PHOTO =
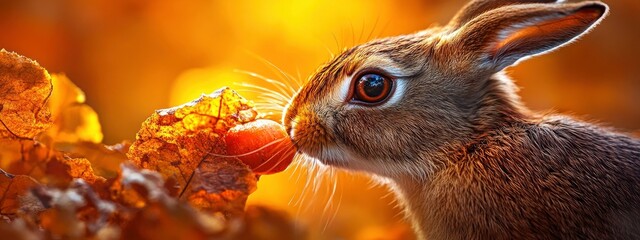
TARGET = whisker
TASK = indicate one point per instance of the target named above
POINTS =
(261, 93)
(280, 95)
(313, 176)
(339, 202)
(298, 173)
(272, 97)
(267, 109)
(271, 111)
(332, 192)
(270, 102)
(373, 29)
(304, 192)
(261, 90)
(260, 76)
(279, 140)
(331, 55)
(383, 29)
(267, 112)
(295, 166)
(268, 106)
(353, 34)
(264, 109)
(279, 85)
(280, 150)
(331, 200)
(299, 79)
(306, 163)
(286, 76)
(361, 32)
(269, 80)
(320, 175)
(337, 43)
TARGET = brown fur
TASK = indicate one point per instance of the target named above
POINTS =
(466, 158)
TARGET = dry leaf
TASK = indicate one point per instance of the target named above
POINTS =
(174, 141)
(64, 169)
(74, 213)
(162, 221)
(73, 120)
(17, 230)
(11, 188)
(24, 90)
(262, 222)
(105, 160)
(221, 185)
(67, 185)
(163, 217)
(24, 157)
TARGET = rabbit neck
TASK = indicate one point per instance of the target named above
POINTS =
(491, 107)
(493, 104)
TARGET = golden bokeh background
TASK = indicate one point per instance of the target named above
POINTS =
(133, 56)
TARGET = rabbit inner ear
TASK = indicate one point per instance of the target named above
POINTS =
(542, 35)
(476, 7)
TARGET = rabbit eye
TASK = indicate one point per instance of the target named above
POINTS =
(372, 88)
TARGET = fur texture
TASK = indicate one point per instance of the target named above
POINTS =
(466, 158)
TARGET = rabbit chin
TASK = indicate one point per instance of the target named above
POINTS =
(330, 156)
(339, 157)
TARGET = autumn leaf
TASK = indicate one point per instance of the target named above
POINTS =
(262, 222)
(73, 121)
(61, 182)
(184, 144)
(11, 188)
(61, 168)
(24, 90)
(24, 157)
(47, 166)
(105, 160)
(221, 185)
(74, 212)
(163, 221)
(162, 217)
(25, 113)
(17, 230)
(175, 141)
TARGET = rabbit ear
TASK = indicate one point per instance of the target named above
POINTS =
(502, 36)
(477, 7)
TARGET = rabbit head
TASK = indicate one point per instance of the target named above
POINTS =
(393, 105)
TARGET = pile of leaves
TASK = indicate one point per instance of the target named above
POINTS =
(58, 181)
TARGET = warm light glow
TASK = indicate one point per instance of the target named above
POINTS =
(192, 83)
(133, 57)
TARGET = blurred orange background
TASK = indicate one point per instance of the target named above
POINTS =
(132, 57)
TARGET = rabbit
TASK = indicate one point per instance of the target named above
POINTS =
(434, 114)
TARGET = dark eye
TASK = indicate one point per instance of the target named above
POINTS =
(372, 88)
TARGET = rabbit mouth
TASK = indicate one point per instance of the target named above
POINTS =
(329, 155)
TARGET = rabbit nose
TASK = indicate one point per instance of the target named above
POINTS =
(289, 125)
(289, 113)
(291, 129)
